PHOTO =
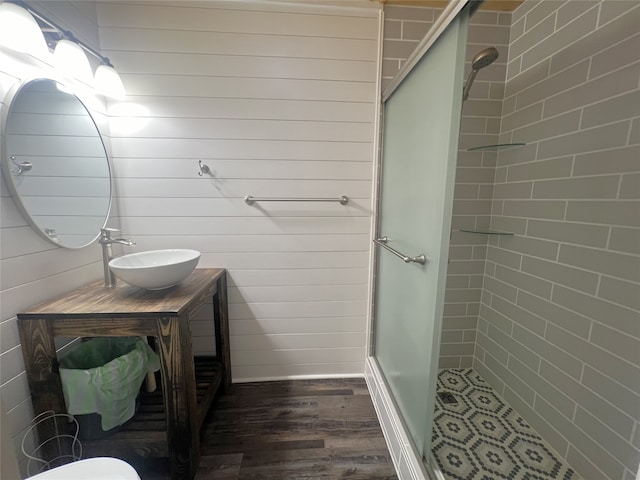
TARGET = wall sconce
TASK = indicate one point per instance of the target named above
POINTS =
(25, 30)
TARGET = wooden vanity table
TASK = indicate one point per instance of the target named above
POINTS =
(168, 422)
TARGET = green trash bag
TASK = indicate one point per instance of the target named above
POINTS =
(104, 375)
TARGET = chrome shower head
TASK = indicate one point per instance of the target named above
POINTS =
(482, 59)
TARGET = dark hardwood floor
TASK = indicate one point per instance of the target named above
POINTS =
(290, 430)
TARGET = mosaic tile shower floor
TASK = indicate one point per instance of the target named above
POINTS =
(482, 438)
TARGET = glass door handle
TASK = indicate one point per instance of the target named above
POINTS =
(382, 241)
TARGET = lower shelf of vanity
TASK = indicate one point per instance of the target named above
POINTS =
(146, 433)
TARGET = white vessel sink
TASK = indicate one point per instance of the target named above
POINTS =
(155, 269)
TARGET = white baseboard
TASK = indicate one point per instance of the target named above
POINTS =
(406, 460)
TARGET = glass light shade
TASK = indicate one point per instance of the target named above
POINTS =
(109, 83)
(71, 60)
(19, 31)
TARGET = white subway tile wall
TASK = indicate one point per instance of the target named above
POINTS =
(279, 101)
(559, 324)
(404, 27)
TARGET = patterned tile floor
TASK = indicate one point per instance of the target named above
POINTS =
(482, 438)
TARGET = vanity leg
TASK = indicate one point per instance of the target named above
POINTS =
(41, 366)
(221, 323)
(179, 394)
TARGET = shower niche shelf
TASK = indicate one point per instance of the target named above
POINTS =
(486, 232)
(496, 146)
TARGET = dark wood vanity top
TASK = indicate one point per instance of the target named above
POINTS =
(96, 300)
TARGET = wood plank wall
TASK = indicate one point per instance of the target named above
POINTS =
(277, 100)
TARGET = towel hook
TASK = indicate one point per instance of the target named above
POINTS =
(22, 167)
(204, 168)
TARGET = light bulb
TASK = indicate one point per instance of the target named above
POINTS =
(71, 60)
(19, 31)
(109, 83)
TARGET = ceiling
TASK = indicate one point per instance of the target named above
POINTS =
(496, 5)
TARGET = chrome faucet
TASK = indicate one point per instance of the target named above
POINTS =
(107, 254)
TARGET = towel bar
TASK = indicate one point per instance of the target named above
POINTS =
(250, 200)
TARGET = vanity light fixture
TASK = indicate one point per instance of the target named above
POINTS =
(19, 20)
(19, 31)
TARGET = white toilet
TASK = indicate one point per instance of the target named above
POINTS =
(100, 468)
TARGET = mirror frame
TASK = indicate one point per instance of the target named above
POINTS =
(6, 164)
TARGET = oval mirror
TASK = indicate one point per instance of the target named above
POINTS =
(55, 164)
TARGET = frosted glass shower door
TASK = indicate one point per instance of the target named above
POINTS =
(420, 137)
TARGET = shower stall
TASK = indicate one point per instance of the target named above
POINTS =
(539, 329)
(449, 421)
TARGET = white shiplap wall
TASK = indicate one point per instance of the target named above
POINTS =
(279, 100)
(32, 269)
